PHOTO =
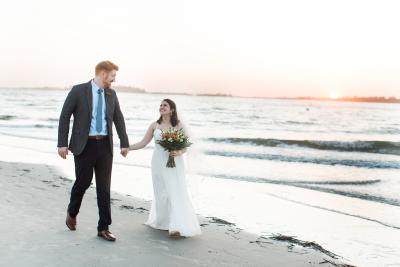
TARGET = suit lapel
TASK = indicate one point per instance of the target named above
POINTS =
(107, 96)
(89, 97)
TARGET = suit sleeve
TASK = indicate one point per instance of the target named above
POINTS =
(119, 122)
(66, 112)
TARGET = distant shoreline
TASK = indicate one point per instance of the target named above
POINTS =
(125, 89)
(136, 90)
(374, 99)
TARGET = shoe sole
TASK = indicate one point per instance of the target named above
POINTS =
(107, 239)
(72, 229)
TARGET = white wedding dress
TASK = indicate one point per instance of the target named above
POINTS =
(172, 207)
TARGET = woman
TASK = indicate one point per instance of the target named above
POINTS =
(171, 208)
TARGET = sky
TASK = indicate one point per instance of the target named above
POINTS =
(245, 48)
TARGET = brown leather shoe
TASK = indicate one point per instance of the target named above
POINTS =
(175, 235)
(70, 222)
(107, 235)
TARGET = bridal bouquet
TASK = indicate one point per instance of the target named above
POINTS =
(173, 140)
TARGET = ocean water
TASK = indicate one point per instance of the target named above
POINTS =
(323, 171)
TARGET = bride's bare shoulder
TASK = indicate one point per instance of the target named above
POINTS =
(153, 125)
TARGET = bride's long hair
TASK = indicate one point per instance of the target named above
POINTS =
(174, 115)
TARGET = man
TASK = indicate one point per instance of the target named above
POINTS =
(95, 107)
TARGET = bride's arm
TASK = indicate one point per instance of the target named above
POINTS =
(146, 139)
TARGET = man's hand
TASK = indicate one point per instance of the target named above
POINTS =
(124, 151)
(63, 152)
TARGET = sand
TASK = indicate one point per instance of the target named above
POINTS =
(33, 208)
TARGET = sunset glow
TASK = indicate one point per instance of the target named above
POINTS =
(333, 95)
(246, 48)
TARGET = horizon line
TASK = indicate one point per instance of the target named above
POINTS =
(134, 89)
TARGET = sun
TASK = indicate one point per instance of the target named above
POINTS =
(333, 95)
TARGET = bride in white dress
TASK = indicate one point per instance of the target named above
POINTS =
(172, 207)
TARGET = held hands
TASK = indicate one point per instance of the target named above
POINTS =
(124, 151)
(63, 152)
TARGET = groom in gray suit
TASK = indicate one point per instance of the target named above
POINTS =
(95, 107)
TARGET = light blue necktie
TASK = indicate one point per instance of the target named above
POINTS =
(99, 115)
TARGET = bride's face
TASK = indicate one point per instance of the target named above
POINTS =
(164, 108)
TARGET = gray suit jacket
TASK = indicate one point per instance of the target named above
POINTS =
(79, 104)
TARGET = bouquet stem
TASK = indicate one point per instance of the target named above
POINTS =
(171, 162)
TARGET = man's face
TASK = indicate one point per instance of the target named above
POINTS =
(108, 78)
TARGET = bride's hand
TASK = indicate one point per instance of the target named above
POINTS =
(175, 153)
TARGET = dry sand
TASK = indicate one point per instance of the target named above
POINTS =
(33, 232)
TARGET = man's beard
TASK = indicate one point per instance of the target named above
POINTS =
(107, 84)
